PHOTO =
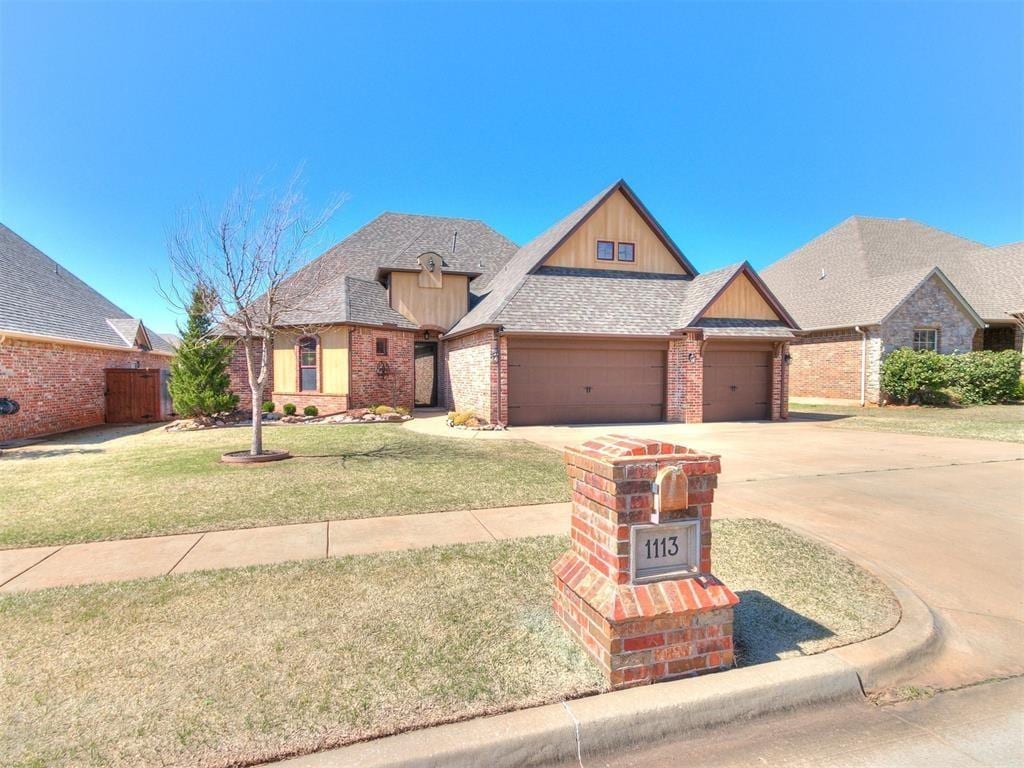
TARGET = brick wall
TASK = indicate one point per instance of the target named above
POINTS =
(639, 632)
(780, 383)
(684, 392)
(59, 387)
(473, 374)
(930, 306)
(367, 387)
(827, 364)
(240, 377)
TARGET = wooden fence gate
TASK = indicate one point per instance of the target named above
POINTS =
(133, 395)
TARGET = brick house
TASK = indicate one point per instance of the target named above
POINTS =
(58, 337)
(869, 286)
(599, 319)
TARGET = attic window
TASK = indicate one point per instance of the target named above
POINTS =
(605, 250)
(627, 252)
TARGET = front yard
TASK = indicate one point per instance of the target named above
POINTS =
(111, 484)
(231, 667)
(980, 422)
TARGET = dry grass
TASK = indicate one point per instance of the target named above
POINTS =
(979, 422)
(228, 667)
(127, 482)
(233, 666)
(798, 597)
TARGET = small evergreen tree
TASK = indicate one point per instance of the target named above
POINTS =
(199, 372)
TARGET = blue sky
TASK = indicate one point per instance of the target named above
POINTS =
(746, 129)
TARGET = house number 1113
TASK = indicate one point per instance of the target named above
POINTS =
(664, 546)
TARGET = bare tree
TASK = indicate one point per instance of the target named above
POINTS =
(253, 260)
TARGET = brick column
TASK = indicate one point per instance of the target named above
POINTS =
(780, 383)
(661, 628)
(685, 384)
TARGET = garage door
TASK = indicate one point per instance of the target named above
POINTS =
(737, 384)
(581, 382)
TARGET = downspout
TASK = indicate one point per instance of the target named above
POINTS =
(863, 364)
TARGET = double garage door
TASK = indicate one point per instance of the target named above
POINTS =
(569, 381)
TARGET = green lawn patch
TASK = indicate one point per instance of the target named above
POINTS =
(225, 668)
(106, 484)
(980, 422)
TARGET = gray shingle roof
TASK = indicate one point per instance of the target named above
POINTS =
(40, 297)
(608, 302)
(870, 265)
(513, 277)
(348, 291)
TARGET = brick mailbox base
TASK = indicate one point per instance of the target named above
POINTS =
(642, 625)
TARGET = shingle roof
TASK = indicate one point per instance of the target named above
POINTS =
(41, 298)
(347, 290)
(513, 277)
(608, 302)
(859, 271)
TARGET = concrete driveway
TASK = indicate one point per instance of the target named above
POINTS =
(944, 515)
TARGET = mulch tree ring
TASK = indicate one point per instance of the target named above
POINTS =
(244, 457)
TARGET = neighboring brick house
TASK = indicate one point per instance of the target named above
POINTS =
(599, 319)
(869, 286)
(57, 338)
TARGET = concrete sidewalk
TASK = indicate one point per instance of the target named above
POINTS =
(42, 567)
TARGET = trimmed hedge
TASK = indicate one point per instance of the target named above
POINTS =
(973, 377)
(913, 377)
(984, 377)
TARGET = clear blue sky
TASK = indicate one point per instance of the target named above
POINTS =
(747, 129)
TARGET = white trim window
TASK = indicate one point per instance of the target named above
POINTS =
(926, 339)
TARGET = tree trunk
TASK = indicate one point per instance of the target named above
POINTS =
(256, 447)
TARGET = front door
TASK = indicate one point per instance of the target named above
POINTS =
(425, 353)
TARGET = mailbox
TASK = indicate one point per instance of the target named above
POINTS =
(671, 492)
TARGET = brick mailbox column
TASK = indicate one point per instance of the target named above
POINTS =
(639, 596)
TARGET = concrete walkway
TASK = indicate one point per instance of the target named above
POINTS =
(41, 567)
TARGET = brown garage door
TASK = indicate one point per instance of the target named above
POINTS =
(585, 382)
(737, 384)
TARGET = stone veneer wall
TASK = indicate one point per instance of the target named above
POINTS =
(930, 306)
(827, 364)
(60, 386)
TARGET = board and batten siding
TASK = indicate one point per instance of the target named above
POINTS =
(425, 305)
(742, 300)
(616, 220)
(334, 361)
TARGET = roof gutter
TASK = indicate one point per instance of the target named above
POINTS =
(20, 335)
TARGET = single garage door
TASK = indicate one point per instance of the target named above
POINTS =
(737, 384)
(572, 381)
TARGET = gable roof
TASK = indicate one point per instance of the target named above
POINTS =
(38, 297)
(857, 272)
(349, 291)
(530, 258)
(562, 300)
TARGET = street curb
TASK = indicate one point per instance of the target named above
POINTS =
(589, 726)
(891, 658)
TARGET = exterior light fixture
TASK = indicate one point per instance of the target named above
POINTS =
(430, 264)
(787, 357)
(691, 357)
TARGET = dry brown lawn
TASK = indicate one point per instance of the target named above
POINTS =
(238, 666)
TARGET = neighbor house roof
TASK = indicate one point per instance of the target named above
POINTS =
(528, 260)
(347, 289)
(39, 298)
(859, 271)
